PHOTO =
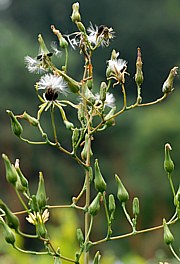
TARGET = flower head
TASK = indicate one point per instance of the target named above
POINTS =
(100, 35)
(117, 69)
(35, 218)
(34, 65)
(52, 85)
(109, 101)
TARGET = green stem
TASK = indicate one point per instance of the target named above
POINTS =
(127, 215)
(30, 252)
(53, 125)
(21, 200)
(174, 253)
(171, 184)
(107, 215)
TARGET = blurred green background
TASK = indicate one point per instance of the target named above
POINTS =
(134, 148)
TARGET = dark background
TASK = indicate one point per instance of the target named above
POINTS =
(134, 148)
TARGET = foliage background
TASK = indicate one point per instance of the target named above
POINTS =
(134, 148)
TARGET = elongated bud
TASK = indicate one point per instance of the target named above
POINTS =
(90, 84)
(177, 198)
(43, 49)
(139, 74)
(15, 125)
(103, 91)
(68, 124)
(95, 205)
(122, 193)
(11, 173)
(76, 17)
(168, 237)
(112, 206)
(62, 41)
(23, 180)
(81, 27)
(90, 174)
(75, 137)
(32, 120)
(97, 258)
(41, 193)
(80, 236)
(168, 84)
(135, 206)
(168, 163)
(33, 204)
(99, 181)
(12, 220)
(9, 235)
(86, 148)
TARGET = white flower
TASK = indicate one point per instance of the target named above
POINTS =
(33, 65)
(117, 65)
(100, 35)
(34, 218)
(109, 101)
(52, 85)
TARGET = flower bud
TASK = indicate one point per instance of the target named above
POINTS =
(41, 193)
(168, 84)
(12, 220)
(122, 194)
(112, 206)
(168, 163)
(76, 17)
(97, 258)
(95, 205)
(90, 174)
(68, 124)
(135, 206)
(75, 137)
(9, 235)
(32, 120)
(23, 180)
(11, 173)
(99, 181)
(80, 236)
(168, 237)
(81, 27)
(86, 148)
(43, 49)
(33, 204)
(139, 74)
(15, 125)
(177, 198)
(62, 41)
(103, 90)
(90, 84)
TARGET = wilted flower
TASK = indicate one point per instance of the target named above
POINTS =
(117, 69)
(100, 35)
(52, 85)
(35, 218)
(34, 65)
(109, 101)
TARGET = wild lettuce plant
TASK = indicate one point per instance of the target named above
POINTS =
(96, 110)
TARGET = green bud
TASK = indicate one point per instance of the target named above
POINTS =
(177, 198)
(43, 49)
(15, 125)
(112, 206)
(122, 193)
(103, 90)
(81, 116)
(33, 204)
(9, 235)
(80, 236)
(68, 124)
(95, 205)
(41, 193)
(114, 54)
(22, 178)
(32, 120)
(11, 173)
(63, 42)
(76, 17)
(12, 220)
(81, 27)
(168, 237)
(99, 181)
(75, 137)
(139, 74)
(86, 148)
(90, 84)
(135, 206)
(168, 84)
(97, 258)
(90, 174)
(41, 230)
(168, 163)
